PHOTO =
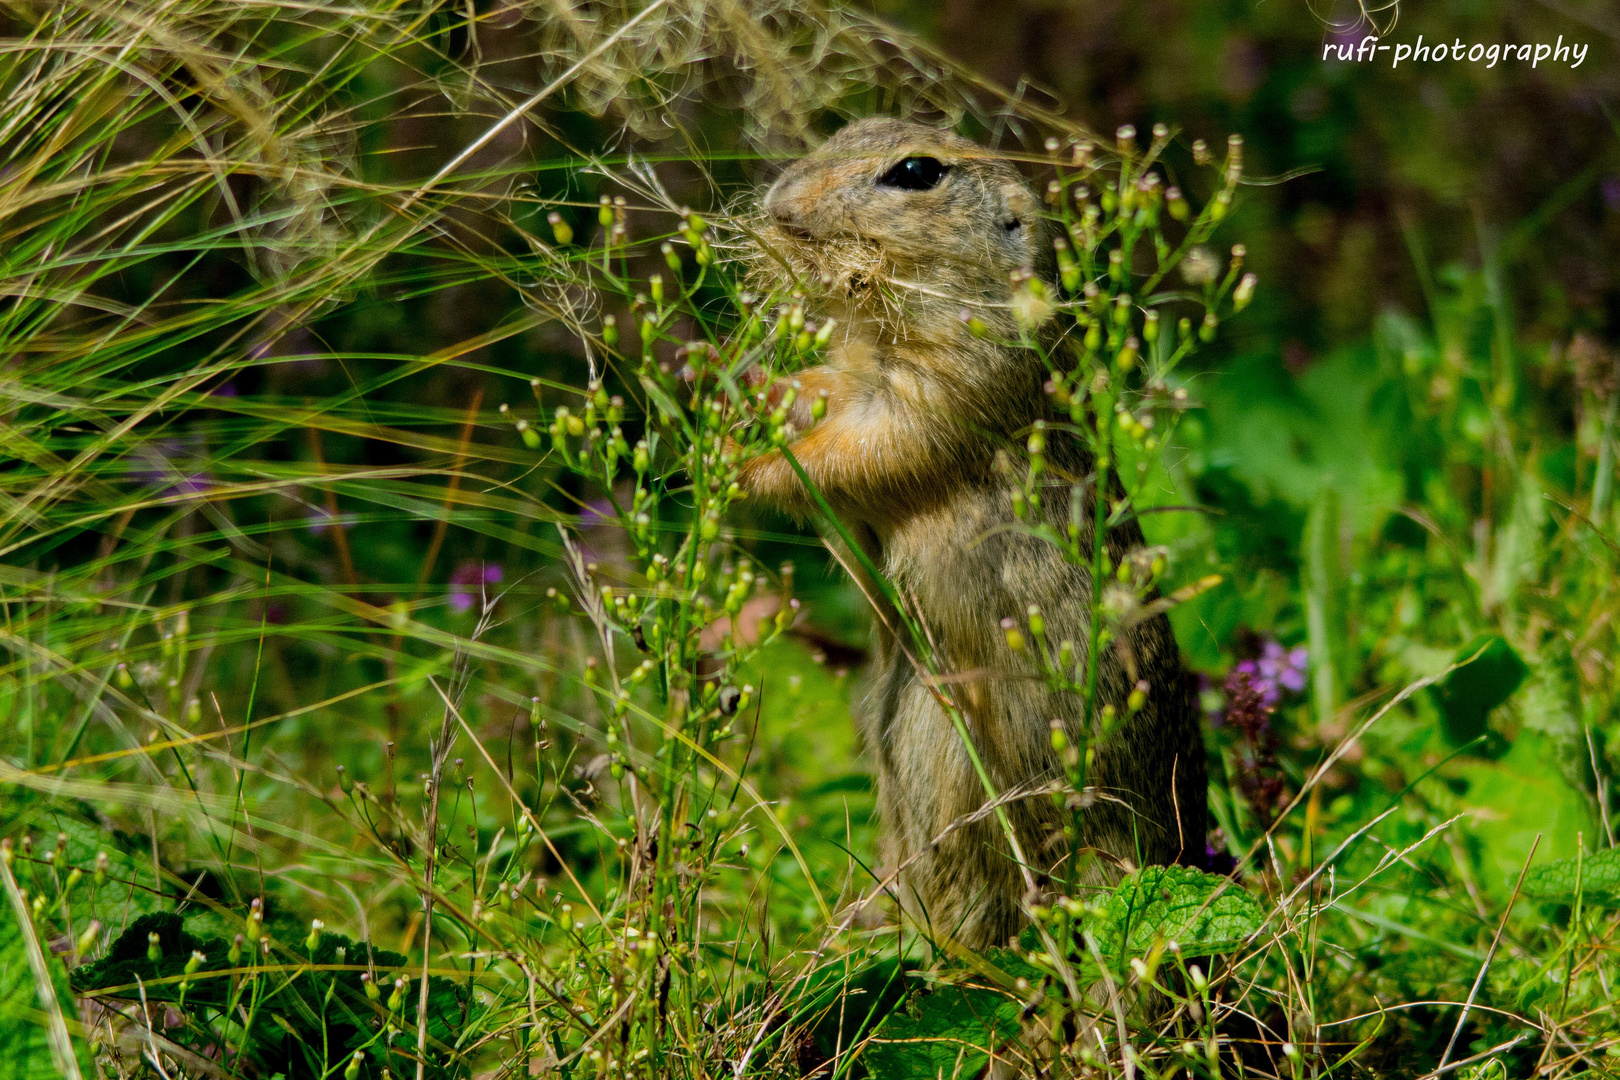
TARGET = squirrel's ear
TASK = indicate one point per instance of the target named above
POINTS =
(1018, 203)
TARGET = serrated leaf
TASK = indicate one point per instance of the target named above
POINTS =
(1596, 877)
(950, 1031)
(1205, 914)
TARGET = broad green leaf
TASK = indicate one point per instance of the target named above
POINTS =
(1513, 799)
(311, 1019)
(1467, 696)
(949, 1031)
(1203, 913)
(1595, 876)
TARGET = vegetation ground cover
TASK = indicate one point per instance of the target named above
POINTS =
(395, 684)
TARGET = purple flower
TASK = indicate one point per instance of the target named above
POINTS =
(467, 582)
(1274, 671)
(1253, 689)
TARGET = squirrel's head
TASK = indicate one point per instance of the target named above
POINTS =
(918, 205)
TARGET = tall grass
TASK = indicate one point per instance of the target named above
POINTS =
(371, 564)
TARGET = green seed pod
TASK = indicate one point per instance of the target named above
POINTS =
(672, 258)
(351, 1071)
(1206, 332)
(610, 330)
(655, 285)
(154, 951)
(604, 211)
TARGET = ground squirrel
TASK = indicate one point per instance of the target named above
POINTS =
(900, 227)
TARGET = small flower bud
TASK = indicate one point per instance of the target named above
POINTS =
(1015, 636)
(154, 951)
(604, 212)
(1244, 292)
(1126, 138)
(672, 258)
(351, 1071)
(610, 330)
(1126, 360)
(1177, 203)
(561, 231)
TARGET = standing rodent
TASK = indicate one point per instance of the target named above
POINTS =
(900, 227)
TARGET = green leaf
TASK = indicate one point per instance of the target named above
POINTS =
(1596, 876)
(1204, 913)
(1467, 696)
(308, 1020)
(948, 1031)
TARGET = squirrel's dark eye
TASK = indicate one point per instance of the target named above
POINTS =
(914, 174)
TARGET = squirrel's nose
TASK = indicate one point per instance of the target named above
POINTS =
(790, 204)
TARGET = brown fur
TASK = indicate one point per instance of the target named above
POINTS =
(917, 409)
